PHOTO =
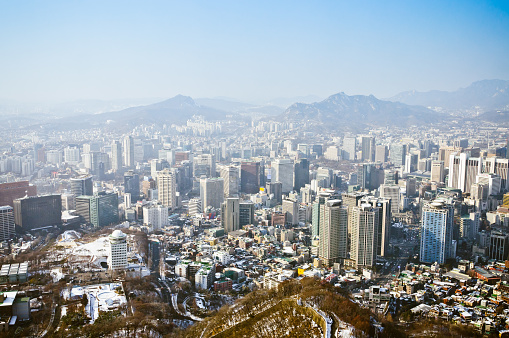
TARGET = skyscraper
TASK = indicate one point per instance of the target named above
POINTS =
(437, 171)
(7, 226)
(381, 154)
(391, 192)
(398, 154)
(282, 171)
(99, 210)
(204, 165)
(117, 258)
(230, 214)
(364, 241)
(384, 222)
(128, 151)
(368, 148)
(333, 245)
(132, 185)
(301, 174)
(463, 171)
(211, 192)
(436, 231)
(82, 186)
(230, 176)
(349, 147)
(167, 188)
(116, 156)
(250, 174)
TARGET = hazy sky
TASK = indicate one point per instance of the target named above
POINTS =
(64, 50)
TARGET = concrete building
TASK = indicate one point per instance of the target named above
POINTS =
(11, 191)
(167, 188)
(301, 174)
(211, 192)
(290, 207)
(381, 154)
(437, 172)
(38, 211)
(349, 148)
(82, 185)
(436, 231)
(132, 185)
(231, 179)
(155, 216)
(282, 171)
(230, 214)
(7, 225)
(368, 148)
(333, 244)
(116, 156)
(398, 154)
(128, 151)
(364, 240)
(117, 256)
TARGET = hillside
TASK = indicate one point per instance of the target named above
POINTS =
(344, 112)
(302, 308)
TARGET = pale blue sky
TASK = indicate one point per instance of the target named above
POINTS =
(65, 50)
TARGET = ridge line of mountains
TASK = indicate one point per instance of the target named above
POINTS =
(486, 100)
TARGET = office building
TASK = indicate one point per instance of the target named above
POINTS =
(384, 222)
(117, 258)
(436, 231)
(132, 185)
(500, 167)
(391, 176)
(492, 181)
(116, 156)
(7, 225)
(246, 213)
(211, 192)
(167, 188)
(230, 176)
(437, 171)
(290, 207)
(282, 171)
(230, 214)
(11, 191)
(275, 189)
(194, 206)
(301, 174)
(204, 165)
(499, 246)
(398, 154)
(333, 244)
(369, 176)
(381, 154)
(320, 200)
(251, 177)
(463, 171)
(100, 210)
(38, 211)
(391, 192)
(368, 148)
(82, 186)
(349, 148)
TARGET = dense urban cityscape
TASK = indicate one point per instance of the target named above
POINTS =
(213, 169)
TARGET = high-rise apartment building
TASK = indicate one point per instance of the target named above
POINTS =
(128, 151)
(211, 192)
(436, 231)
(333, 245)
(167, 188)
(7, 225)
(116, 156)
(364, 240)
(72, 155)
(230, 214)
(155, 216)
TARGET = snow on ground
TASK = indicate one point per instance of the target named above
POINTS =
(101, 297)
(56, 274)
(69, 235)
(97, 248)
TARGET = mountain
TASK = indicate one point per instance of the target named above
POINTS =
(480, 96)
(239, 107)
(357, 112)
